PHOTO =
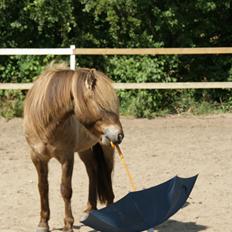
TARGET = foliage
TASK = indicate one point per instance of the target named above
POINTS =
(119, 23)
(143, 69)
(22, 68)
(11, 104)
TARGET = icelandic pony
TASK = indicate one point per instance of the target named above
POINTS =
(70, 111)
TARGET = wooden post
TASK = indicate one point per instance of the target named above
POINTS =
(72, 58)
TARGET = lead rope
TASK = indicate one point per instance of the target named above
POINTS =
(121, 156)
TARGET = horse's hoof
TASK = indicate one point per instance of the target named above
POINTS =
(42, 229)
(67, 230)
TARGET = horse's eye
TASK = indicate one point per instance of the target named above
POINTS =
(89, 125)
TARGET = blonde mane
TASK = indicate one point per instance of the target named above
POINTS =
(60, 92)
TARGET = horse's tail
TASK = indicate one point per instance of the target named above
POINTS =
(104, 180)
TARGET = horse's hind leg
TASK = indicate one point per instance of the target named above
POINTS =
(109, 158)
(42, 170)
(99, 162)
(91, 167)
(66, 191)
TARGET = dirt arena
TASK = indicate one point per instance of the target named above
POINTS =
(155, 150)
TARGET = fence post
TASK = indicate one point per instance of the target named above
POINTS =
(72, 58)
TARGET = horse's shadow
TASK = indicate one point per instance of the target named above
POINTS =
(75, 227)
(176, 226)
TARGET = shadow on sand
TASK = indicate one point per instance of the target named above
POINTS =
(170, 226)
(75, 227)
(177, 226)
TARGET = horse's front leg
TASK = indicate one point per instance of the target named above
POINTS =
(42, 170)
(66, 191)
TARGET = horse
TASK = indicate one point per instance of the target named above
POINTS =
(68, 111)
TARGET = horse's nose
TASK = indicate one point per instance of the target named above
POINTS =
(114, 134)
(120, 137)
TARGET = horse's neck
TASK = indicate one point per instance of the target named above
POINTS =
(72, 130)
(84, 139)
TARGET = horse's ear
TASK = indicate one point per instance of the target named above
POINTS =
(91, 79)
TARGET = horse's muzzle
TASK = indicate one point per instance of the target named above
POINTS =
(113, 134)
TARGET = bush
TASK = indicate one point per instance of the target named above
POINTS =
(140, 103)
(18, 69)
(143, 103)
(11, 103)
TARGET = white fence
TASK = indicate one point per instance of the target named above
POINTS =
(73, 52)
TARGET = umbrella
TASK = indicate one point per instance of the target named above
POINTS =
(144, 209)
(141, 210)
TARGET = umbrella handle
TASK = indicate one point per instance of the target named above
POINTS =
(121, 156)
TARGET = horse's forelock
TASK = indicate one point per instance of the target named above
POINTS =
(95, 97)
(105, 94)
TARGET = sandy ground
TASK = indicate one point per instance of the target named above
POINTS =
(155, 150)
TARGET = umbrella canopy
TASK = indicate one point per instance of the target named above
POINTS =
(141, 210)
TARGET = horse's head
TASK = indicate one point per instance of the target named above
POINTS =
(96, 105)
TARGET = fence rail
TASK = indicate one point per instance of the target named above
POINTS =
(36, 51)
(177, 85)
(73, 52)
(116, 51)
(153, 51)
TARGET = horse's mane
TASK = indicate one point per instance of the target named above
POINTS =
(60, 92)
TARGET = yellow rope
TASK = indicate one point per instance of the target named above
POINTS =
(121, 156)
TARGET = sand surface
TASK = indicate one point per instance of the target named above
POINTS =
(155, 151)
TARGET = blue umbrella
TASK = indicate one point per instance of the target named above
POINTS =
(141, 210)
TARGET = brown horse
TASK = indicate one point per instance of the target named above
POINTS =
(70, 111)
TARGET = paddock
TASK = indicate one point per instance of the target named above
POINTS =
(155, 151)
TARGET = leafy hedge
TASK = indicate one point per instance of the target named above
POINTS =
(131, 23)
(143, 69)
(140, 103)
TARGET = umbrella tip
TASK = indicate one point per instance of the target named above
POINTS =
(84, 217)
(151, 230)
